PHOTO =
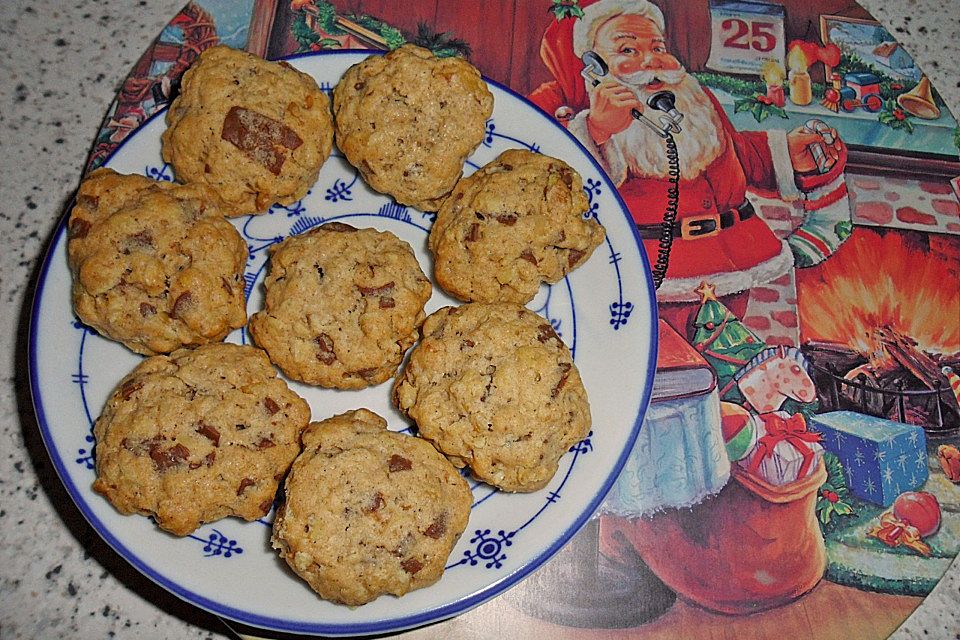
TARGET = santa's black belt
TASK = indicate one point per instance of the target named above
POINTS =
(703, 226)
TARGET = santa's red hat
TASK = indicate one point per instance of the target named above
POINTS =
(567, 39)
(599, 13)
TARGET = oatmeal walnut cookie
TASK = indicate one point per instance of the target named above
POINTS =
(197, 436)
(343, 305)
(256, 132)
(514, 223)
(493, 387)
(408, 120)
(367, 511)
(154, 264)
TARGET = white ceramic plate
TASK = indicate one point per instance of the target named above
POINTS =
(604, 312)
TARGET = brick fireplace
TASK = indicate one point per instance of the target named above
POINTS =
(892, 287)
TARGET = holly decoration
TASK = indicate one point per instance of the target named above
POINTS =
(307, 38)
(833, 494)
(326, 18)
(442, 44)
(725, 342)
(760, 106)
(565, 9)
(895, 117)
(744, 88)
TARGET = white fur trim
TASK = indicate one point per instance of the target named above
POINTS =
(682, 289)
(827, 189)
(607, 154)
(782, 167)
(637, 151)
(594, 16)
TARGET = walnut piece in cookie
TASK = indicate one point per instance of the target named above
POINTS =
(367, 511)
(514, 223)
(197, 436)
(256, 132)
(342, 306)
(408, 120)
(493, 387)
(154, 264)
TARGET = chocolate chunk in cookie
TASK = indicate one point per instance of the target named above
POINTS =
(513, 224)
(155, 265)
(408, 121)
(197, 436)
(342, 306)
(256, 132)
(367, 511)
(494, 388)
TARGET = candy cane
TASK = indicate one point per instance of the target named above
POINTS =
(954, 380)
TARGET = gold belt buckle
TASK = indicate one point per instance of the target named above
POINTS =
(696, 227)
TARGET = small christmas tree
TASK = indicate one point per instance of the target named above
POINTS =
(725, 342)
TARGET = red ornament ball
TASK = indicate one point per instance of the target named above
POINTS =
(918, 509)
(710, 326)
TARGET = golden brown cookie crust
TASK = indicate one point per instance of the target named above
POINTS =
(494, 388)
(197, 436)
(256, 132)
(408, 121)
(514, 223)
(342, 306)
(367, 511)
(155, 265)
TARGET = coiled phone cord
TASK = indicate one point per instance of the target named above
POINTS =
(659, 270)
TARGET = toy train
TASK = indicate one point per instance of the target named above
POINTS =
(855, 91)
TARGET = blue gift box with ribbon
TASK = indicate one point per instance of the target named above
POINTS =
(881, 458)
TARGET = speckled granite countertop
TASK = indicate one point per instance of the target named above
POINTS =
(60, 66)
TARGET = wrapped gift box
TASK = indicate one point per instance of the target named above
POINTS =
(882, 458)
(784, 450)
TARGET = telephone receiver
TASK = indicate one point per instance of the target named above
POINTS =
(594, 68)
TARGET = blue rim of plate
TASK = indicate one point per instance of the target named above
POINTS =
(394, 624)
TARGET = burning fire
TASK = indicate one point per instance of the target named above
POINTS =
(875, 281)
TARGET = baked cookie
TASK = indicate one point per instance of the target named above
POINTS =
(494, 388)
(408, 120)
(197, 436)
(342, 307)
(256, 132)
(155, 265)
(367, 511)
(513, 224)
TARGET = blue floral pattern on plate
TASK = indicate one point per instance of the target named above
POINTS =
(595, 310)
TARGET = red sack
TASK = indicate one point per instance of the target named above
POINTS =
(754, 546)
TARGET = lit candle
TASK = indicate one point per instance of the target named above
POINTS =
(776, 94)
(801, 90)
(773, 74)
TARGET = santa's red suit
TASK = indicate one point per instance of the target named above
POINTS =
(718, 236)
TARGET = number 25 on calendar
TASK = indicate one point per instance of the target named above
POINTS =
(744, 35)
(740, 34)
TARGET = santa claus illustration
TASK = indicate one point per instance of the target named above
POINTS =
(718, 236)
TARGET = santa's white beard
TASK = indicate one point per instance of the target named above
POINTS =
(700, 142)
